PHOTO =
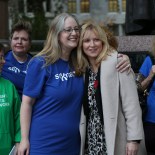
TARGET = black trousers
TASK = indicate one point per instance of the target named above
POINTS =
(149, 131)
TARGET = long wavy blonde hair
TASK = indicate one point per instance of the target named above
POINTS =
(52, 50)
(104, 35)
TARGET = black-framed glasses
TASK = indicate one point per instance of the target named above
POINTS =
(70, 30)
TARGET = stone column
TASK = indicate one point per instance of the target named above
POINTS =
(4, 19)
(98, 10)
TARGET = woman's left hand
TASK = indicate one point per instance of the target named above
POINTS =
(132, 148)
(124, 64)
(16, 148)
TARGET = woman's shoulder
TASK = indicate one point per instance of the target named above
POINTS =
(37, 60)
(110, 61)
(36, 63)
(8, 55)
(112, 56)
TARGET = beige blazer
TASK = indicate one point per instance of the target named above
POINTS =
(121, 110)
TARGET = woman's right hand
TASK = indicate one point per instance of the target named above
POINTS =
(24, 147)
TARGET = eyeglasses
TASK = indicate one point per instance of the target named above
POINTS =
(70, 30)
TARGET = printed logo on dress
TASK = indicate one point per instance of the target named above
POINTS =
(64, 76)
(25, 72)
(3, 102)
(16, 70)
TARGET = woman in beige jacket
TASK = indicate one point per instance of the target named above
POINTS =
(113, 124)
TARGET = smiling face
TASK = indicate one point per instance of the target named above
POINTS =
(92, 45)
(69, 36)
(20, 42)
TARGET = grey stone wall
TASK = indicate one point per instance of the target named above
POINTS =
(135, 43)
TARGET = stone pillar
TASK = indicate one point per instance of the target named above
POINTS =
(98, 10)
(4, 19)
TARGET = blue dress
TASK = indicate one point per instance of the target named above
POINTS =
(145, 70)
(56, 114)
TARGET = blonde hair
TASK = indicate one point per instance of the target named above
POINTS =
(52, 49)
(100, 32)
(112, 40)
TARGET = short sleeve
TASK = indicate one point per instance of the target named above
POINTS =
(146, 66)
(35, 77)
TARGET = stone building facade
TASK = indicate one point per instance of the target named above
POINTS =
(110, 12)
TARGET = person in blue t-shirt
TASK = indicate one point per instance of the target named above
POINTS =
(144, 78)
(53, 90)
(18, 57)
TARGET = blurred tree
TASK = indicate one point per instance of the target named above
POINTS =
(39, 23)
(21, 9)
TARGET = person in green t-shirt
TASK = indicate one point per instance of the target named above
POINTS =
(9, 112)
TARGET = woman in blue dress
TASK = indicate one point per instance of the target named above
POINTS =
(53, 90)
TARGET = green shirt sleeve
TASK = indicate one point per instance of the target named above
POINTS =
(17, 104)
